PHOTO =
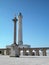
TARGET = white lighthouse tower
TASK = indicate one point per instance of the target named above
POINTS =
(20, 42)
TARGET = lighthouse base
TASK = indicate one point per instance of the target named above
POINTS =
(14, 51)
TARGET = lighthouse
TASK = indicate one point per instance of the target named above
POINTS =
(20, 41)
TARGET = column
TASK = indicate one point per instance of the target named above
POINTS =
(20, 42)
(14, 50)
(37, 52)
(15, 20)
(4, 52)
(30, 51)
(44, 52)
(19, 51)
(7, 51)
(24, 51)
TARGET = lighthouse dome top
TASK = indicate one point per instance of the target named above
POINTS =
(20, 14)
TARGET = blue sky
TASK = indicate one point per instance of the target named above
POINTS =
(35, 21)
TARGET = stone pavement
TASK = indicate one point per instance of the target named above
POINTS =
(24, 60)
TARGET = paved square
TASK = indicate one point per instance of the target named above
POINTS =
(27, 60)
